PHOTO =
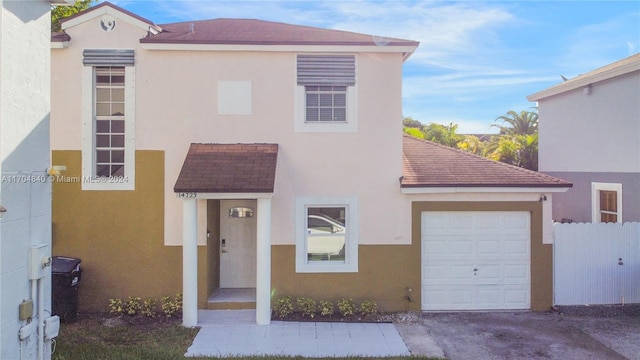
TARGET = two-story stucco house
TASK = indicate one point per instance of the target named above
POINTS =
(26, 325)
(245, 154)
(590, 135)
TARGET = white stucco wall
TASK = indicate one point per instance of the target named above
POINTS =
(596, 132)
(24, 152)
(176, 104)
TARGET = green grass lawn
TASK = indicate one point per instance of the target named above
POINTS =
(97, 337)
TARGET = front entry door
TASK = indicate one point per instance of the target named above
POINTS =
(238, 243)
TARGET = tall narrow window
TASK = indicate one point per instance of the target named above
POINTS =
(108, 126)
(606, 201)
(110, 121)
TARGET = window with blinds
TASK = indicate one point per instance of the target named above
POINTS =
(326, 79)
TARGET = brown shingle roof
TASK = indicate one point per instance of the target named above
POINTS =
(259, 32)
(228, 168)
(427, 164)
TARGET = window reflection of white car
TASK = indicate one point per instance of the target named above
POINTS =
(325, 235)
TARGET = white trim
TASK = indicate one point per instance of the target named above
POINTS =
(279, 48)
(595, 200)
(300, 125)
(352, 225)
(263, 262)
(190, 262)
(585, 80)
(451, 190)
(88, 138)
(231, 196)
(59, 44)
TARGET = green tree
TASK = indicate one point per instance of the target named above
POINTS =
(443, 134)
(518, 150)
(415, 132)
(60, 12)
(522, 123)
(410, 122)
(472, 144)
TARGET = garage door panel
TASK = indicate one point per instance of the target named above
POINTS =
(476, 260)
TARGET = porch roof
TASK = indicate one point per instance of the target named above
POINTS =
(228, 168)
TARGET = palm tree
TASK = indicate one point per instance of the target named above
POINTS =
(513, 123)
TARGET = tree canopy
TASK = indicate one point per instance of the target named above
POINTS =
(516, 144)
(59, 12)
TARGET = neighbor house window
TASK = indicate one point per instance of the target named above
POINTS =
(108, 147)
(606, 201)
(326, 96)
(326, 235)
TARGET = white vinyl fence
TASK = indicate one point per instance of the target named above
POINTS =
(596, 263)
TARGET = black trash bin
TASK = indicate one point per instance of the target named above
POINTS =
(65, 277)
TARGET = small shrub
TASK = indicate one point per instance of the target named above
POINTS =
(149, 308)
(171, 307)
(116, 307)
(346, 307)
(283, 307)
(326, 308)
(307, 307)
(368, 307)
(133, 306)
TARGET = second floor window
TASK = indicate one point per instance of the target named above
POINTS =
(109, 121)
(326, 103)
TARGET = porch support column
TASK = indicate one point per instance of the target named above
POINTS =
(189, 262)
(263, 261)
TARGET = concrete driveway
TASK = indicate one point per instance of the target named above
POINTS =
(523, 335)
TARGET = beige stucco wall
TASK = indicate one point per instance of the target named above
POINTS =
(176, 100)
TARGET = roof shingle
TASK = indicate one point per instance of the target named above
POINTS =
(228, 168)
(427, 164)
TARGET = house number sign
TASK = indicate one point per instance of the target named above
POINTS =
(186, 195)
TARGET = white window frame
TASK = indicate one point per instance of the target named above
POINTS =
(595, 200)
(301, 125)
(350, 263)
(89, 179)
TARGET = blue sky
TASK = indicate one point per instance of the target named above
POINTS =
(476, 60)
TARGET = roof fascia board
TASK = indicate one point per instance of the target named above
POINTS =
(106, 10)
(453, 190)
(584, 81)
(232, 196)
(59, 44)
(279, 48)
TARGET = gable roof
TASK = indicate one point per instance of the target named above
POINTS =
(621, 67)
(240, 32)
(111, 9)
(260, 32)
(428, 164)
(228, 168)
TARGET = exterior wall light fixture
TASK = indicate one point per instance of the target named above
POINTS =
(3, 210)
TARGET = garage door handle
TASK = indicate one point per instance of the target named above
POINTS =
(475, 271)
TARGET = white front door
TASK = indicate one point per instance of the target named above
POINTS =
(238, 243)
(476, 260)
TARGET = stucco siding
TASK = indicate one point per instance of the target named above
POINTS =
(118, 235)
(576, 204)
(24, 154)
(576, 127)
(176, 104)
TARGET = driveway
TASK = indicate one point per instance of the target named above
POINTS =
(523, 335)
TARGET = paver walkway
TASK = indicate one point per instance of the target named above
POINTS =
(234, 333)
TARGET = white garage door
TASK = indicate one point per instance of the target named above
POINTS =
(476, 260)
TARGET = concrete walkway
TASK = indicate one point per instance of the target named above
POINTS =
(234, 333)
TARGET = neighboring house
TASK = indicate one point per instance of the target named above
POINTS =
(590, 135)
(235, 153)
(25, 190)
